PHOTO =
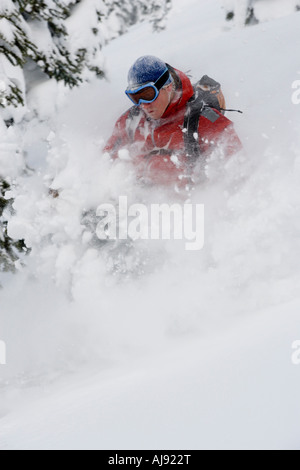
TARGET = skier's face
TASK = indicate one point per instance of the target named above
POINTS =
(157, 108)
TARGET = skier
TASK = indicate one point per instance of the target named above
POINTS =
(170, 131)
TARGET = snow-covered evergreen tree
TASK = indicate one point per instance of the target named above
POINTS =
(122, 14)
(42, 31)
(249, 12)
(11, 164)
(160, 11)
(60, 40)
(9, 249)
(64, 37)
(242, 11)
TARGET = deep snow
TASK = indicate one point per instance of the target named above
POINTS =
(196, 351)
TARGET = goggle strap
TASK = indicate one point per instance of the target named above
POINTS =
(162, 80)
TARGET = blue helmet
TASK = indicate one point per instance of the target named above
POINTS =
(147, 69)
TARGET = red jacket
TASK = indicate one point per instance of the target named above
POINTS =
(144, 137)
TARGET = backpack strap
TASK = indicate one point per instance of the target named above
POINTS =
(132, 122)
(191, 137)
(203, 103)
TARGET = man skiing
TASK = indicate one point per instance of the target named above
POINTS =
(170, 131)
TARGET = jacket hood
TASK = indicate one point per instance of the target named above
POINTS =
(183, 93)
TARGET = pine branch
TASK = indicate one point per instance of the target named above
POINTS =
(9, 249)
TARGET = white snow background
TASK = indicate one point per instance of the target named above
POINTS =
(182, 350)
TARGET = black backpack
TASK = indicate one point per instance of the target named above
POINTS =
(207, 98)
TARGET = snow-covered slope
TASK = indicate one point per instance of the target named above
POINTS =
(196, 352)
(233, 389)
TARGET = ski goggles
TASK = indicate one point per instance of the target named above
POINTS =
(148, 92)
